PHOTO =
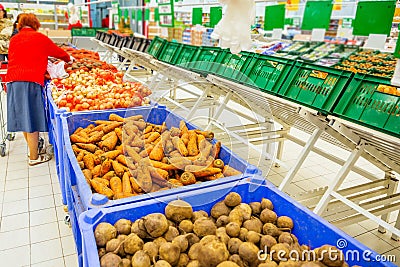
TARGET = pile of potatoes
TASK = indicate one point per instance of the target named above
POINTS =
(124, 157)
(231, 236)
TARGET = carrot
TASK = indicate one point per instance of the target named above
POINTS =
(133, 154)
(77, 130)
(206, 134)
(185, 138)
(148, 148)
(118, 168)
(168, 146)
(130, 129)
(163, 127)
(140, 124)
(88, 175)
(229, 171)
(130, 164)
(108, 175)
(83, 134)
(174, 154)
(183, 127)
(119, 148)
(135, 186)
(134, 118)
(180, 162)
(110, 143)
(96, 137)
(143, 176)
(155, 174)
(126, 183)
(216, 149)
(180, 146)
(102, 189)
(175, 131)
(103, 181)
(157, 153)
(148, 129)
(98, 122)
(105, 166)
(219, 175)
(79, 139)
(153, 137)
(187, 178)
(200, 171)
(138, 142)
(88, 147)
(98, 128)
(80, 156)
(163, 166)
(111, 127)
(192, 144)
(115, 117)
(119, 133)
(121, 159)
(81, 165)
(104, 137)
(96, 171)
(89, 161)
(76, 149)
(116, 185)
(112, 154)
(205, 149)
(218, 163)
(123, 195)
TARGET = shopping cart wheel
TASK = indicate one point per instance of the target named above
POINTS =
(10, 136)
(2, 149)
(67, 220)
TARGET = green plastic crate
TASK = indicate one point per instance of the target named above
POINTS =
(266, 73)
(170, 52)
(90, 32)
(205, 58)
(364, 104)
(186, 56)
(156, 46)
(315, 86)
(232, 66)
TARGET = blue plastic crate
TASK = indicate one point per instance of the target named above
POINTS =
(308, 227)
(76, 182)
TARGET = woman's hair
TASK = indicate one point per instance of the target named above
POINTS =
(5, 13)
(28, 20)
(16, 22)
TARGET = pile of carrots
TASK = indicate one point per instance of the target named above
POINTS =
(124, 157)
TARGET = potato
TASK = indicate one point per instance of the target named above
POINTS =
(268, 216)
(171, 223)
(232, 199)
(233, 229)
(199, 214)
(236, 259)
(268, 263)
(123, 226)
(151, 249)
(114, 246)
(266, 204)
(222, 235)
(178, 210)
(103, 233)
(110, 260)
(194, 251)
(139, 229)
(255, 207)
(185, 226)
(233, 245)
(212, 254)
(132, 244)
(222, 221)
(194, 263)
(266, 242)
(286, 238)
(227, 264)
(183, 260)
(248, 252)
(289, 263)
(162, 263)
(141, 259)
(279, 252)
(253, 237)
(330, 256)
(169, 252)
(171, 234)
(181, 242)
(203, 227)
(122, 237)
(310, 264)
(220, 209)
(192, 239)
(271, 229)
(254, 224)
(156, 224)
(159, 241)
(101, 252)
(236, 216)
(245, 211)
(284, 222)
(125, 263)
(243, 233)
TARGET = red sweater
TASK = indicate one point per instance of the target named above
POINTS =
(28, 54)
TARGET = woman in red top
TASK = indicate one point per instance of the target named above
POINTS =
(28, 54)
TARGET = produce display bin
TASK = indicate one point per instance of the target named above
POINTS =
(308, 227)
(156, 46)
(145, 46)
(170, 52)
(364, 103)
(205, 59)
(233, 66)
(186, 56)
(78, 192)
(266, 73)
(315, 86)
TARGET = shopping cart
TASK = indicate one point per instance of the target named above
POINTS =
(3, 115)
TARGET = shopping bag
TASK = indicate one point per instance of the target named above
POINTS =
(56, 70)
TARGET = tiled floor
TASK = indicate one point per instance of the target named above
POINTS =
(32, 228)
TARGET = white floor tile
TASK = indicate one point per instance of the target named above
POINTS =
(71, 261)
(40, 203)
(374, 243)
(19, 174)
(15, 195)
(40, 191)
(13, 239)
(16, 207)
(44, 232)
(43, 216)
(68, 245)
(18, 256)
(14, 222)
(58, 200)
(65, 230)
(59, 262)
(15, 166)
(17, 184)
(61, 213)
(52, 249)
(39, 171)
(39, 180)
